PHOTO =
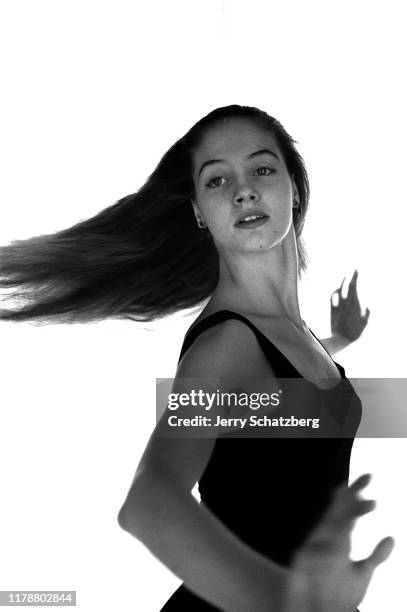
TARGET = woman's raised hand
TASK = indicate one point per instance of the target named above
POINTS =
(322, 577)
(347, 319)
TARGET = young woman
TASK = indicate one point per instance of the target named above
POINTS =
(220, 218)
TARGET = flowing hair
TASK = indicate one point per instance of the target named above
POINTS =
(143, 257)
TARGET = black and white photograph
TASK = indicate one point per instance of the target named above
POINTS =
(202, 292)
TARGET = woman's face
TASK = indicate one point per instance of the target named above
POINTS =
(239, 171)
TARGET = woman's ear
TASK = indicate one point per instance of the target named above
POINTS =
(296, 194)
(198, 217)
(195, 208)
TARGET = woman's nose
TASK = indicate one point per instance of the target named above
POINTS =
(245, 193)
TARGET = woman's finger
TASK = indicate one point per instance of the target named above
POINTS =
(343, 516)
(381, 553)
(361, 507)
(352, 283)
(339, 290)
(346, 502)
(344, 508)
(349, 492)
(361, 481)
(337, 524)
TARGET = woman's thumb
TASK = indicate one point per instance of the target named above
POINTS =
(380, 554)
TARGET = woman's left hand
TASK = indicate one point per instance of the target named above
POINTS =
(347, 320)
(322, 576)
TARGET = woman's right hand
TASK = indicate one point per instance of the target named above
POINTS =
(322, 577)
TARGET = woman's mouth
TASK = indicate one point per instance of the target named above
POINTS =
(252, 221)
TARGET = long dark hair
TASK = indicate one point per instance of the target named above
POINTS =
(141, 258)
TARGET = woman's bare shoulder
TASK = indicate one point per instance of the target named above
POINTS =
(229, 348)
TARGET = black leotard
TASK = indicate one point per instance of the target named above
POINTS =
(271, 491)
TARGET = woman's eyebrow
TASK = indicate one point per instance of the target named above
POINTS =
(256, 153)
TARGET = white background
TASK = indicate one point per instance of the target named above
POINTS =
(93, 94)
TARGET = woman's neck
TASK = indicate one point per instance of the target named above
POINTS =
(261, 284)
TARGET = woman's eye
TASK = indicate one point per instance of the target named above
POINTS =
(270, 170)
(213, 182)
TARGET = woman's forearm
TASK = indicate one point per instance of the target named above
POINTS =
(193, 543)
(335, 343)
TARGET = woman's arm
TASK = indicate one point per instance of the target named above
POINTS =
(195, 545)
(161, 512)
(335, 343)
